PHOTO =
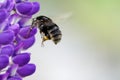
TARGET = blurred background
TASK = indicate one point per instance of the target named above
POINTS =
(90, 46)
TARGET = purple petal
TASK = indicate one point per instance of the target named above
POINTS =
(35, 8)
(26, 32)
(23, 8)
(7, 50)
(21, 59)
(3, 15)
(4, 76)
(14, 78)
(27, 43)
(10, 4)
(24, 43)
(6, 37)
(33, 31)
(26, 70)
(4, 61)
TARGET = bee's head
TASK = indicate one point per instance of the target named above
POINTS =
(43, 19)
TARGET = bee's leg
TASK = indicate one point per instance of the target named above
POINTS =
(42, 43)
(44, 38)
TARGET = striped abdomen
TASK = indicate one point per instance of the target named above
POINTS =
(55, 33)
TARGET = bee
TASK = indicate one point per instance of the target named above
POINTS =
(48, 29)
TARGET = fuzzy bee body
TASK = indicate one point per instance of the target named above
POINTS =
(48, 29)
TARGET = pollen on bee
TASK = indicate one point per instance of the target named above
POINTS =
(45, 38)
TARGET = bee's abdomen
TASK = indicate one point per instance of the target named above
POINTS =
(55, 33)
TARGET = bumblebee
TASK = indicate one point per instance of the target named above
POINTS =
(48, 29)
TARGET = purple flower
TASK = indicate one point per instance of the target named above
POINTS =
(27, 43)
(4, 61)
(26, 70)
(35, 8)
(6, 37)
(7, 50)
(21, 59)
(9, 5)
(3, 15)
(27, 8)
(26, 32)
(16, 36)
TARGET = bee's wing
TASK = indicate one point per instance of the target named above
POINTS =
(62, 17)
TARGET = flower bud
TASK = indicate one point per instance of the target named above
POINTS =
(7, 50)
(27, 8)
(3, 15)
(23, 8)
(27, 43)
(35, 8)
(6, 37)
(21, 59)
(26, 70)
(4, 61)
(26, 32)
(10, 5)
